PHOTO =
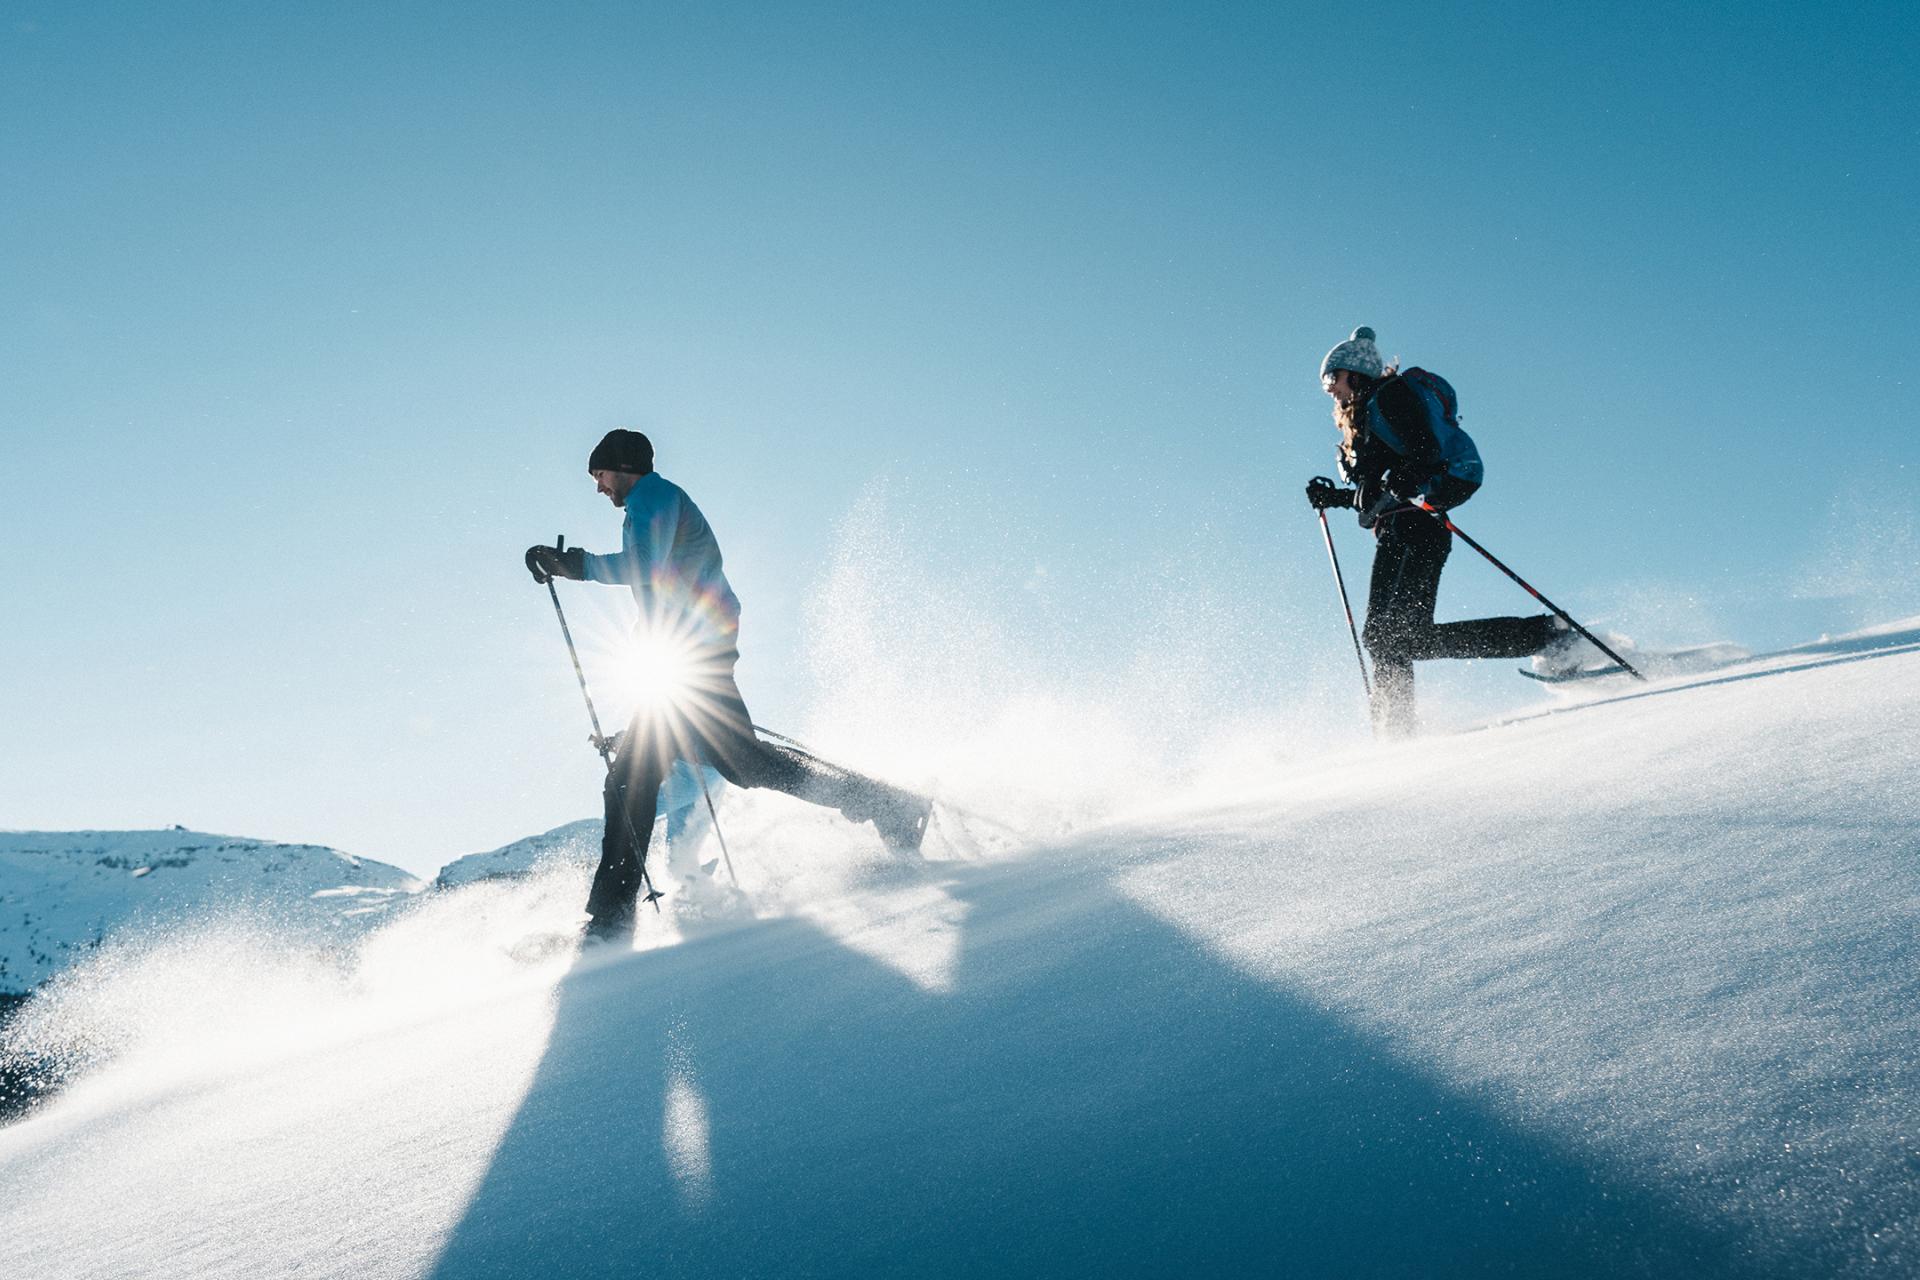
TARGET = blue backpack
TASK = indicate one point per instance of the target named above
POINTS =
(1461, 472)
(1442, 391)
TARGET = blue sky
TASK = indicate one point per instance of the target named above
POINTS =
(309, 317)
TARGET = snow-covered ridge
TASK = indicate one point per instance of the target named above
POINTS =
(63, 892)
(574, 842)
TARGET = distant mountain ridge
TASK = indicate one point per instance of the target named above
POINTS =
(574, 841)
(63, 892)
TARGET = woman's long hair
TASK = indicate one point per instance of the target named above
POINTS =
(1351, 417)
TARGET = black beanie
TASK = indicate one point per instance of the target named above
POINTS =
(622, 451)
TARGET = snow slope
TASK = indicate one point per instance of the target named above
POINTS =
(1627, 989)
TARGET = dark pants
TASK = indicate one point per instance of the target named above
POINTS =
(1400, 629)
(707, 723)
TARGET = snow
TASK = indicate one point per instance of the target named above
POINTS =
(1625, 988)
(62, 892)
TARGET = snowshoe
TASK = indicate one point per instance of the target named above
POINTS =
(613, 928)
(902, 823)
(538, 947)
(1577, 673)
(702, 904)
(1654, 664)
(1571, 656)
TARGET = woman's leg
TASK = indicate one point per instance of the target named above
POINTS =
(1400, 600)
(1487, 638)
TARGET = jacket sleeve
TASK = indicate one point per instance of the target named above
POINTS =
(625, 567)
(646, 543)
(1406, 413)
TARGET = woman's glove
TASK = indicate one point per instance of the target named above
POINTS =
(1323, 493)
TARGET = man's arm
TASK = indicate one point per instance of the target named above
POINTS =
(623, 567)
(646, 540)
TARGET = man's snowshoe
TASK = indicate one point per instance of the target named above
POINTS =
(536, 948)
(902, 822)
(899, 816)
(702, 904)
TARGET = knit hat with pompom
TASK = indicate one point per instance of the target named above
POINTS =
(1357, 354)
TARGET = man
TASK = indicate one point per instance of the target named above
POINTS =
(688, 638)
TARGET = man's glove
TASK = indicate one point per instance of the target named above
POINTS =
(551, 562)
(1323, 493)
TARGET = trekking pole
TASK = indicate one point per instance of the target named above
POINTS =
(1341, 582)
(1526, 586)
(700, 772)
(802, 748)
(593, 717)
(600, 742)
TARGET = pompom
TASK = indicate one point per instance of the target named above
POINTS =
(1362, 334)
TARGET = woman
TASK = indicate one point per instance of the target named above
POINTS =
(1400, 439)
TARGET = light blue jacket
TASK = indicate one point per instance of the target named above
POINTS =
(670, 560)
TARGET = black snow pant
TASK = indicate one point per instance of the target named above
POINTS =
(705, 723)
(1412, 549)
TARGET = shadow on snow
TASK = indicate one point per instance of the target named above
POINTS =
(1096, 1095)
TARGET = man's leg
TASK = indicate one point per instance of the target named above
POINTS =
(632, 792)
(899, 816)
(729, 744)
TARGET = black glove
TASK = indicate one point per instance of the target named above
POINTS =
(551, 562)
(1323, 493)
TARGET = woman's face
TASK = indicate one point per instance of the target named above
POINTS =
(1338, 383)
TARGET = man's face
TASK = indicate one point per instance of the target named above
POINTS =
(616, 485)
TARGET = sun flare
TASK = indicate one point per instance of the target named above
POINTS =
(658, 670)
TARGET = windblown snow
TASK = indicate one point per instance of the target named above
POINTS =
(1628, 987)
